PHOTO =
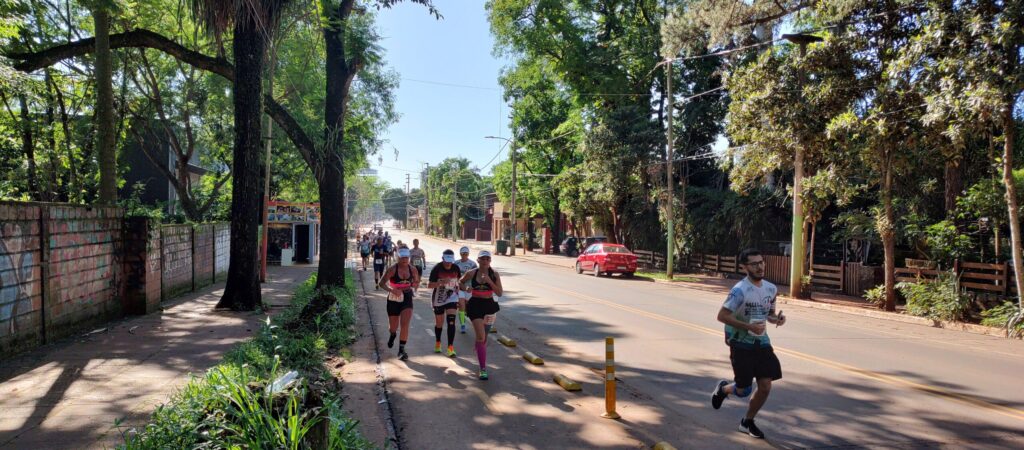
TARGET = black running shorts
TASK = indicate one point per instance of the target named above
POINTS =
(440, 310)
(396, 308)
(477, 308)
(758, 362)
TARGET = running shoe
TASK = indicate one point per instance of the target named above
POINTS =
(391, 340)
(748, 426)
(437, 347)
(451, 351)
(483, 375)
(463, 329)
(403, 356)
(719, 396)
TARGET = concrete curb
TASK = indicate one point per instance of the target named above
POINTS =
(877, 314)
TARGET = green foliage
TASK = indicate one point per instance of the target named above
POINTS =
(946, 243)
(938, 298)
(229, 407)
(875, 295)
(1007, 315)
(727, 222)
(134, 207)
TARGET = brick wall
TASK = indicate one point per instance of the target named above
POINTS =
(82, 287)
(176, 245)
(67, 268)
(21, 287)
(202, 256)
(222, 250)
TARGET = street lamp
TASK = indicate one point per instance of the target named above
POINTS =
(796, 269)
(512, 146)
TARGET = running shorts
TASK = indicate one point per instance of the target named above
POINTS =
(378, 265)
(440, 310)
(751, 363)
(364, 254)
(477, 308)
(396, 308)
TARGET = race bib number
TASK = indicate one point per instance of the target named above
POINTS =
(396, 296)
(378, 261)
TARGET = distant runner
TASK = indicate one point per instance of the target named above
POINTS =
(400, 280)
(419, 257)
(444, 280)
(750, 305)
(481, 308)
(380, 253)
(465, 264)
(364, 250)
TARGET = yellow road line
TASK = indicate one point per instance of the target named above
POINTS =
(889, 379)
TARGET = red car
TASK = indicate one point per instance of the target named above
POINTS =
(605, 258)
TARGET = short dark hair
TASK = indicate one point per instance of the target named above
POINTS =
(448, 252)
(747, 253)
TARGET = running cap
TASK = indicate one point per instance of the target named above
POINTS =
(464, 250)
(484, 253)
(448, 258)
(403, 253)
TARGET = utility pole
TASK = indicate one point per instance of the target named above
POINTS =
(515, 223)
(406, 223)
(266, 174)
(455, 198)
(670, 256)
(426, 199)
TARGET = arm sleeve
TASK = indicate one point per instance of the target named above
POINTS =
(734, 300)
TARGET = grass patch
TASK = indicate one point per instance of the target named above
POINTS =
(230, 405)
(661, 276)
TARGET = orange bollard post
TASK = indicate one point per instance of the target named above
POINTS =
(609, 379)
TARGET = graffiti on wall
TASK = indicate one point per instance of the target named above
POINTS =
(16, 262)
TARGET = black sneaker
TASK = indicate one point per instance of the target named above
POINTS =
(403, 356)
(391, 340)
(748, 426)
(719, 396)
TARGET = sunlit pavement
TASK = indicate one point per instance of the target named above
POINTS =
(849, 381)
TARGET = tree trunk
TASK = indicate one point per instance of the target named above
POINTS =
(954, 184)
(28, 146)
(1009, 136)
(242, 291)
(810, 261)
(74, 189)
(888, 233)
(105, 139)
(53, 192)
(332, 167)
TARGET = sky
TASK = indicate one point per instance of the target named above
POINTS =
(449, 97)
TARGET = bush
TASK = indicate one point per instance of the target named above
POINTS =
(229, 406)
(875, 295)
(1005, 316)
(936, 299)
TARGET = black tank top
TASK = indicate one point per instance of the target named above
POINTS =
(400, 282)
(479, 288)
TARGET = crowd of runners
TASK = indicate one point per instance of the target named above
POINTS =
(463, 292)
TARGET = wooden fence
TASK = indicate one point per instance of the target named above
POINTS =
(975, 277)
(846, 278)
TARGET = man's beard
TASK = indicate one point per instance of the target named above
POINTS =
(754, 277)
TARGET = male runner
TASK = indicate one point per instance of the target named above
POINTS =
(379, 252)
(444, 280)
(751, 303)
(465, 265)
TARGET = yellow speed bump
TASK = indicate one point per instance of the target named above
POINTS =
(566, 383)
(536, 360)
(663, 446)
(506, 341)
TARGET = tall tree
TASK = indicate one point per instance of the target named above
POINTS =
(105, 127)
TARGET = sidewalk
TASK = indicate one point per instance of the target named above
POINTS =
(69, 395)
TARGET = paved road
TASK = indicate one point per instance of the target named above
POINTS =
(849, 381)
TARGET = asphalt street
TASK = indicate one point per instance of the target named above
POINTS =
(849, 381)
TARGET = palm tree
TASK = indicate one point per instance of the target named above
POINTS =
(253, 21)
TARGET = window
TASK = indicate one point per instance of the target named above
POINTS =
(615, 249)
